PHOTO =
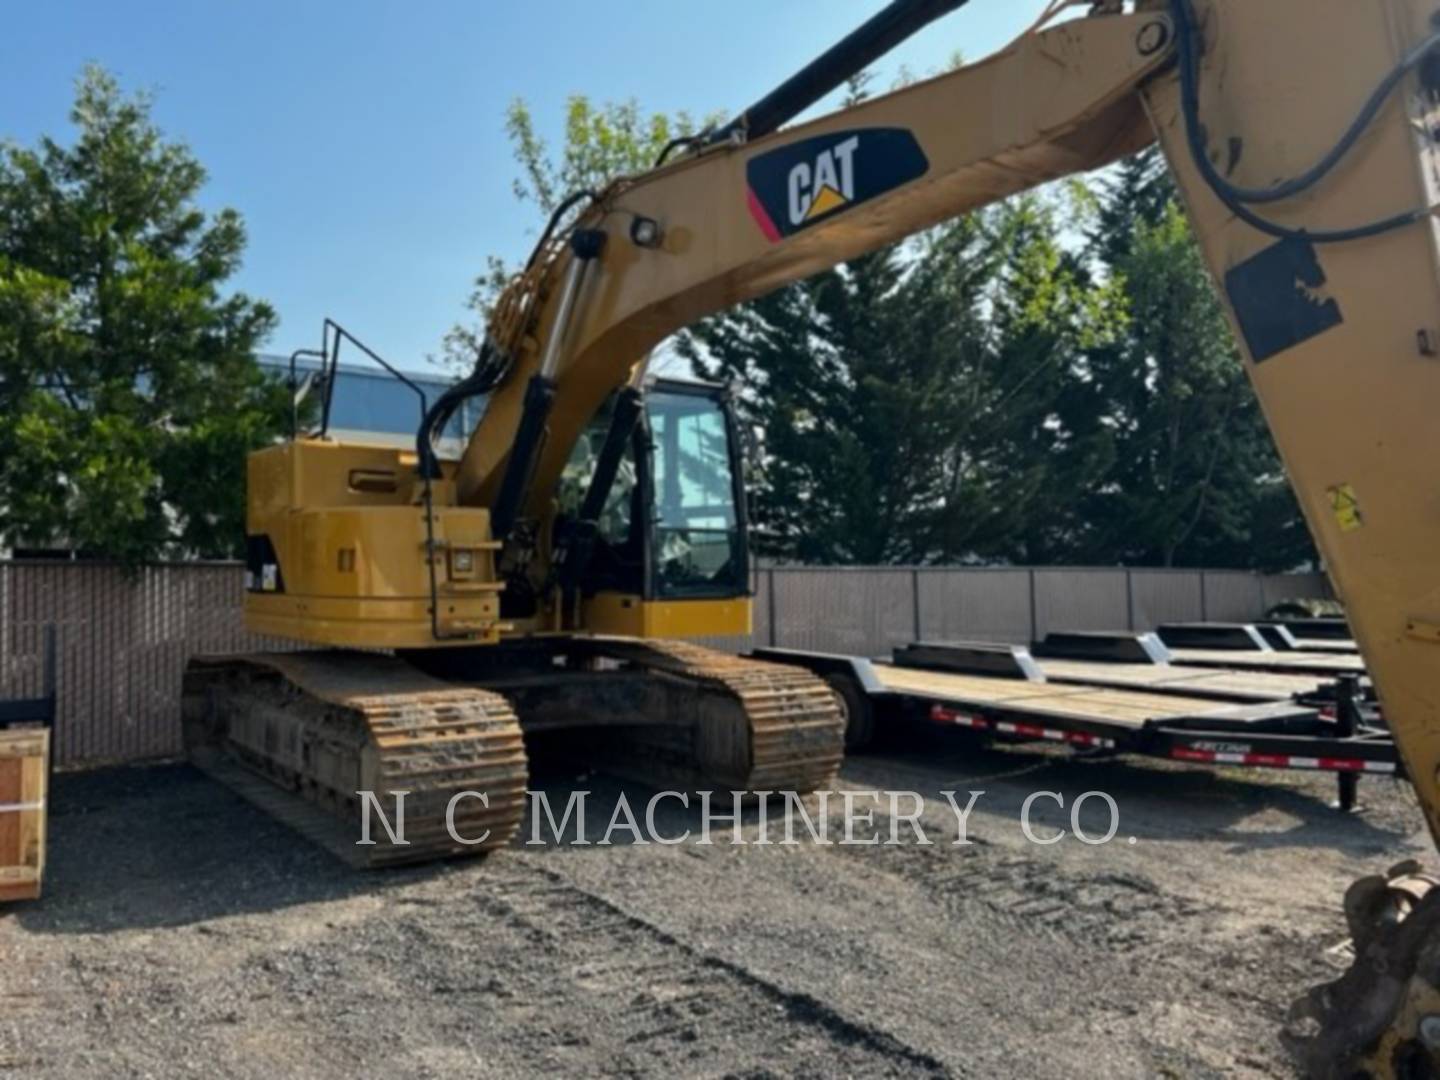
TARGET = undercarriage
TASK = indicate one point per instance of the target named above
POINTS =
(323, 727)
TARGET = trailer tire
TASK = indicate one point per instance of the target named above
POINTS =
(858, 709)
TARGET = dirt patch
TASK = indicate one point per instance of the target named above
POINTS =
(184, 933)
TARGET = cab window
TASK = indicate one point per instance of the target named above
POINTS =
(698, 546)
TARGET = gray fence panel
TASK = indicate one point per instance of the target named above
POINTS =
(123, 639)
(861, 612)
(1280, 587)
(975, 605)
(1080, 600)
(1232, 597)
(122, 642)
(942, 604)
(1165, 596)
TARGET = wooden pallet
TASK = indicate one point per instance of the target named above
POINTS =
(24, 787)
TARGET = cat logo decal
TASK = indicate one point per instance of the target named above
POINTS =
(796, 186)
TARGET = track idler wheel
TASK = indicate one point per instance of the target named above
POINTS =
(1381, 1019)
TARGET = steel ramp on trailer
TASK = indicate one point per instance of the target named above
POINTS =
(1244, 647)
(1331, 629)
(1282, 638)
(1143, 662)
(1245, 637)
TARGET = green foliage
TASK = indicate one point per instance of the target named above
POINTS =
(1041, 441)
(601, 143)
(128, 379)
(854, 416)
(1196, 479)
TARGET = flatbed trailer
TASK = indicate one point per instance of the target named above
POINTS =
(1007, 696)
(1143, 662)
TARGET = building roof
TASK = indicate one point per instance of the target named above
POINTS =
(369, 400)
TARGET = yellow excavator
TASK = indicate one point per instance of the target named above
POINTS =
(548, 579)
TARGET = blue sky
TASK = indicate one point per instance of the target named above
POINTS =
(363, 141)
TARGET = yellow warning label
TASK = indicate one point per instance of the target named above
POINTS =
(1346, 505)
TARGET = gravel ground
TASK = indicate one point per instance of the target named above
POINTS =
(186, 934)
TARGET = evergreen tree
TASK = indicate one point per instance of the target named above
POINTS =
(858, 379)
(127, 375)
(1038, 443)
(1196, 479)
(1140, 190)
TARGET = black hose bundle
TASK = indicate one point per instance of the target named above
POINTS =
(491, 367)
(1238, 199)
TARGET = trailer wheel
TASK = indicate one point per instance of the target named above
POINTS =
(857, 709)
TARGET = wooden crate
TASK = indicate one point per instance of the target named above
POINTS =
(24, 783)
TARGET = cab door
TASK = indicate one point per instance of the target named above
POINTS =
(670, 555)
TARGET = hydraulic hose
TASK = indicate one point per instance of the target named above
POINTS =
(1235, 197)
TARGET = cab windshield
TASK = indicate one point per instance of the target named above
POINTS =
(691, 543)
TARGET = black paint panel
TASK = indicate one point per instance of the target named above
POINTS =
(260, 553)
(1274, 299)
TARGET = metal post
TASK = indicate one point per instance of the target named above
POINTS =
(1347, 716)
(770, 608)
(1034, 613)
(1130, 598)
(1204, 600)
(50, 691)
(50, 660)
(915, 599)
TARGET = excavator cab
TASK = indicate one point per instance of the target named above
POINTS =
(671, 530)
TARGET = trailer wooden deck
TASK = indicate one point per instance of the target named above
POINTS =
(1130, 709)
(1321, 645)
(1284, 663)
(1199, 682)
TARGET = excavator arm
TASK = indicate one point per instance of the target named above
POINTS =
(1303, 136)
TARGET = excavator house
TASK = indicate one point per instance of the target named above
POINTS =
(553, 578)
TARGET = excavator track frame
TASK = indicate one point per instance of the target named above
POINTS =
(323, 727)
(303, 734)
(789, 734)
